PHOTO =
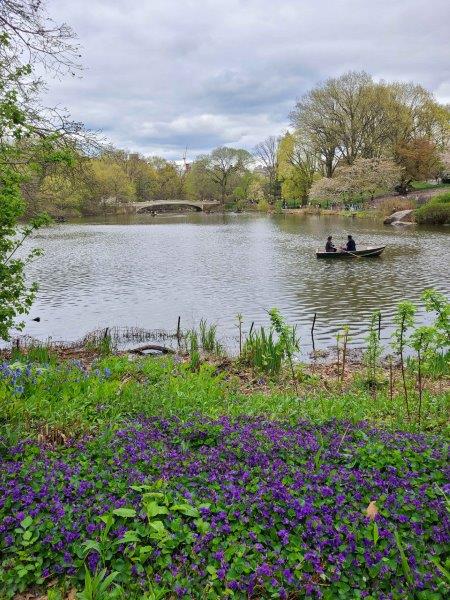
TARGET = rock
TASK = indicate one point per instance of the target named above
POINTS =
(401, 216)
(402, 224)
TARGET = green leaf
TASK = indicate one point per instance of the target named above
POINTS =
(129, 537)
(442, 569)
(153, 509)
(26, 522)
(375, 533)
(212, 571)
(145, 551)
(405, 564)
(127, 513)
(92, 545)
(186, 509)
(202, 526)
(158, 526)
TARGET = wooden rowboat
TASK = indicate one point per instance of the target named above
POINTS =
(368, 251)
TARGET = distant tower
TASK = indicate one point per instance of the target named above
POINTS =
(186, 165)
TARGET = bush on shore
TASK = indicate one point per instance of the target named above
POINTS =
(433, 213)
(441, 199)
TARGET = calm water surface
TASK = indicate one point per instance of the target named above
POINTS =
(143, 271)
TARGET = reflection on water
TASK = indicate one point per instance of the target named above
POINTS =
(145, 271)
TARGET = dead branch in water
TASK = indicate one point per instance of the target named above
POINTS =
(141, 350)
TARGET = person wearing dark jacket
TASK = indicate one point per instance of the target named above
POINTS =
(351, 246)
(329, 247)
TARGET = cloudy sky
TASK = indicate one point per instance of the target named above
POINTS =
(160, 75)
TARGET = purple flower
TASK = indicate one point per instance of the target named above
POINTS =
(264, 570)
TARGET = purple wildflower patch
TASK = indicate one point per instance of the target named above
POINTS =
(246, 507)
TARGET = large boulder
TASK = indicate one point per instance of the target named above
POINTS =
(401, 216)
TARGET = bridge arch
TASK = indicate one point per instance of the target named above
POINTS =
(167, 207)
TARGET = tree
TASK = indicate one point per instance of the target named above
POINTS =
(28, 139)
(327, 188)
(166, 182)
(366, 176)
(416, 115)
(199, 184)
(242, 190)
(267, 153)
(16, 296)
(256, 191)
(225, 162)
(313, 116)
(344, 118)
(34, 38)
(352, 117)
(358, 181)
(297, 167)
(60, 194)
(420, 159)
(110, 183)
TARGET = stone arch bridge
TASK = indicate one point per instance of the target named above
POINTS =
(171, 205)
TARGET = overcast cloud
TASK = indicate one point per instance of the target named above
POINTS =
(164, 74)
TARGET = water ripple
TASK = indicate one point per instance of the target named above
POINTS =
(148, 271)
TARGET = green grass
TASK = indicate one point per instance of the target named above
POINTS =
(440, 199)
(66, 398)
(425, 185)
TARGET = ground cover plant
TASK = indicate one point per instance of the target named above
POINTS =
(245, 507)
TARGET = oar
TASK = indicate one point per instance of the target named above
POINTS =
(351, 253)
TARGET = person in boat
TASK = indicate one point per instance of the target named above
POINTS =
(329, 246)
(351, 246)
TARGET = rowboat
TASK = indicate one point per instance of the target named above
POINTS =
(368, 251)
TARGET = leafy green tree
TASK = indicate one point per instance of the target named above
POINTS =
(256, 189)
(165, 180)
(297, 167)
(223, 163)
(420, 159)
(199, 183)
(242, 190)
(28, 139)
(352, 117)
(60, 194)
(15, 296)
(111, 183)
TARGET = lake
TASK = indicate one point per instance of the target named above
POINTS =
(146, 271)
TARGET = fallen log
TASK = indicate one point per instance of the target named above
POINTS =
(141, 349)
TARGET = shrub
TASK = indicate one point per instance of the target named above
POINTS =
(440, 199)
(263, 205)
(433, 214)
(293, 203)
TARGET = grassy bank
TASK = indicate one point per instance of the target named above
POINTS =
(67, 398)
(435, 212)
